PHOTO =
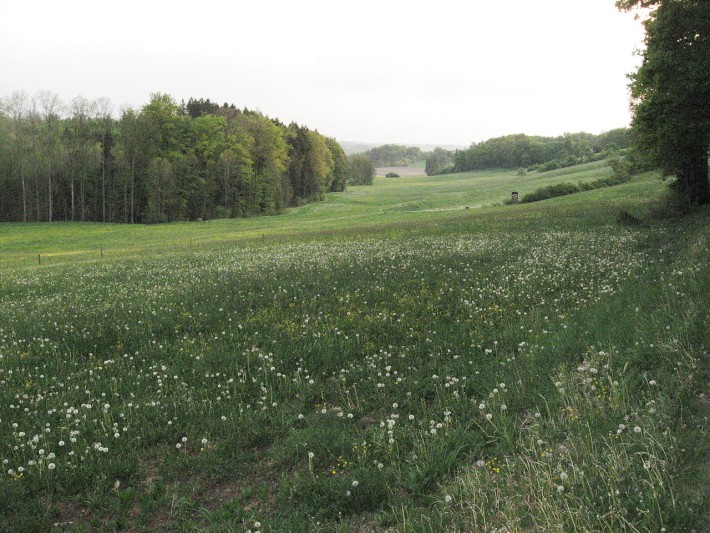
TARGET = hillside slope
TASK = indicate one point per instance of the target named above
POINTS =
(383, 361)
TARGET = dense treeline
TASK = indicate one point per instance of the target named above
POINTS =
(164, 162)
(395, 155)
(531, 152)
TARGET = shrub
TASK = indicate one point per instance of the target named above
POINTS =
(550, 165)
(543, 193)
(391, 175)
(622, 167)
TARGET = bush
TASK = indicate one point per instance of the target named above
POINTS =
(543, 193)
(562, 189)
(622, 167)
(391, 175)
(550, 165)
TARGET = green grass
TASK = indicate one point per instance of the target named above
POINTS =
(397, 203)
(383, 360)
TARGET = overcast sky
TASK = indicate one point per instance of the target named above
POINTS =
(372, 71)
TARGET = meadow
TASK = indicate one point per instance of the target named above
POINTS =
(392, 203)
(385, 360)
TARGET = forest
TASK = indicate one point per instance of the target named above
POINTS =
(395, 155)
(167, 161)
(530, 152)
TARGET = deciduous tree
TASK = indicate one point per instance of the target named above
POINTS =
(671, 92)
(361, 170)
(339, 172)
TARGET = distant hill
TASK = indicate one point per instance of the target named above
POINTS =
(430, 147)
(354, 147)
(351, 147)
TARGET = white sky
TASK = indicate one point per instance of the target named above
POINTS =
(445, 71)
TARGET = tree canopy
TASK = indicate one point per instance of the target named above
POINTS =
(536, 153)
(361, 170)
(395, 155)
(671, 93)
(437, 161)
(163, 162)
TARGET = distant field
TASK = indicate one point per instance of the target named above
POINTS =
(409, 171)
(393, 202)
(385, 360)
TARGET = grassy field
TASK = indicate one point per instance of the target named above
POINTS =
(385, 360)
(393, 203)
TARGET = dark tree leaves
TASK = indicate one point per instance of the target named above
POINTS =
(671, 93)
